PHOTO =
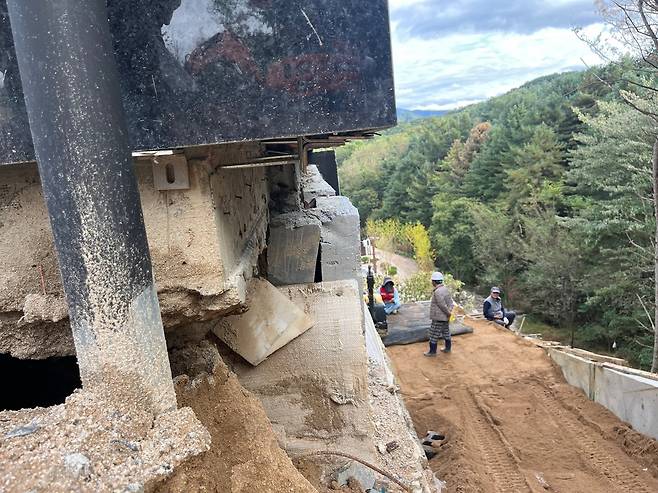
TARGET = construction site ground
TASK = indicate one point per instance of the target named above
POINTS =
(512, 424)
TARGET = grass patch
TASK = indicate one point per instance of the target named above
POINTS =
(548, 332)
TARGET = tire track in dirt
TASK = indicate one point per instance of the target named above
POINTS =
(512, 424)
(599, 453)
(499, 460)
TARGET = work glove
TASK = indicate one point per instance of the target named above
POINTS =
(506, 321)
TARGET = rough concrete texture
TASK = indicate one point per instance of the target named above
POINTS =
(285, 188)
(29, 267)
(314, 186)
(340, 238)
(631, 395)
(244, 456)
(392, 421)
(270, 322)
(204, 244)
(315, 389)
(86, 446)
(292, 249)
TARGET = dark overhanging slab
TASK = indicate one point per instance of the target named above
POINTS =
(197, 72)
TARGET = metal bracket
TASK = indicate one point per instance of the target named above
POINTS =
(171, 172)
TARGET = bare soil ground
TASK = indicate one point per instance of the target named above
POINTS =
(244, 455)
(512, 423)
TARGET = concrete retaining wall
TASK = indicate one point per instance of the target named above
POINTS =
(630, 394)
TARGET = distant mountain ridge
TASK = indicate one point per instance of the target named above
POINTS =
(405, 115)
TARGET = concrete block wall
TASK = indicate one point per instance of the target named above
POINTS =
(328, 230)
(632, 395)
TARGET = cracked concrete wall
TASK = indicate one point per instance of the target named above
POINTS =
(204, 242)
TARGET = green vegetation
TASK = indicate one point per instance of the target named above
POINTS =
(545, 191)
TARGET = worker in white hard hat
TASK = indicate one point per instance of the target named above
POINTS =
(440, 310)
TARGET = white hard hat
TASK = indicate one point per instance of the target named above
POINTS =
(437, 276)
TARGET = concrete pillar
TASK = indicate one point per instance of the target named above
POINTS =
(71, 87)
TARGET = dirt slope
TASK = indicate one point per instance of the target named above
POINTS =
(244, 456)
(512, 424)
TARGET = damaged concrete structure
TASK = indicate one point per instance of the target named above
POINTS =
(222, 190)
(207, 241)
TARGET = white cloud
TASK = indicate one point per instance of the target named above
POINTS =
(447, 71)
(400, 4)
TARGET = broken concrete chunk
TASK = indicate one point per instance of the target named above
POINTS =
(271, 322)
(339, 235)
(44, 307)
(314, 185)
(78, 464)
(292, 250)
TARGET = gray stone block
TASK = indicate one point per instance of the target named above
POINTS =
(292, 250)
(339, 239)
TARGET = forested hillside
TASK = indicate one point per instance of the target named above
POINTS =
(546, 191)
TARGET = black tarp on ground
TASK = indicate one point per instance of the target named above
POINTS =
(412, 324)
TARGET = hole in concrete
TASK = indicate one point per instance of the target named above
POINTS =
(262, 263)
(171, 173)
(37, 383)
(318, 265)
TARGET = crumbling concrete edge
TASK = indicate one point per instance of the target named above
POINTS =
(425, 480)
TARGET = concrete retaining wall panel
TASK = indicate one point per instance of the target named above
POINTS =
(315, 389)
(632, 398)
(628, 394)
(577, 371)
(292, 249)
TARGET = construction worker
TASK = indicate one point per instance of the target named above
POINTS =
(494, 310)
(440, 311)
(390, 296)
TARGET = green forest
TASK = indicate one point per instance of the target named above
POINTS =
(546, 191)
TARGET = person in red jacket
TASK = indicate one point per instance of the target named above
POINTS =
(390, 296)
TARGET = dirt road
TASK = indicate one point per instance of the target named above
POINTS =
(406, 266)
(512, 424)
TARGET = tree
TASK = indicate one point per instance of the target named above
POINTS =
(611, 190)
(453, 235)
(635, 26)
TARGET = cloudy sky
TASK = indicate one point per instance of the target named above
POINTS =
(449, 53)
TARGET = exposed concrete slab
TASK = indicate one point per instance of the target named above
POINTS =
(340, 239)
(632, 395)
(204, 241)
(391, 418)
(271, 322)
(315, 389)
(292, 249)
